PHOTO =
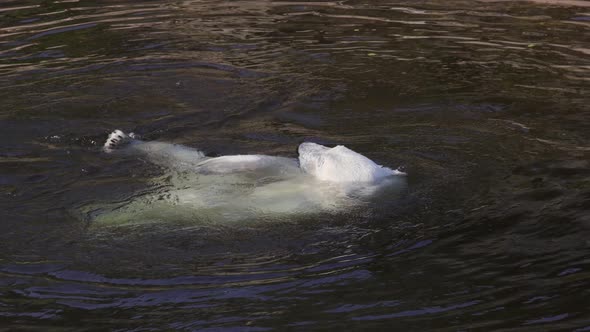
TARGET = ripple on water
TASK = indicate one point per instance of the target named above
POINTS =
(483, 103)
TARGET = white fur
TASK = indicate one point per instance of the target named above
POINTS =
(249, 186)
(248, 163)
(340, 164)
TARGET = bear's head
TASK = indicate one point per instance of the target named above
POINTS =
(340, 164)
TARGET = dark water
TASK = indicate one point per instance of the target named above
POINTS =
(485, 105)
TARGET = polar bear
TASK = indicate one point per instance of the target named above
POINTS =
(242, 186)
(337, 164)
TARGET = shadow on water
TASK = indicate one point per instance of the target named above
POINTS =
(482, 103)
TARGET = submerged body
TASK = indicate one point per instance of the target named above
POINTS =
(239, 187)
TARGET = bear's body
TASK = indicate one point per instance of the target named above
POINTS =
(242, 186)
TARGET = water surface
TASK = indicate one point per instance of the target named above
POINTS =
(483, 103)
